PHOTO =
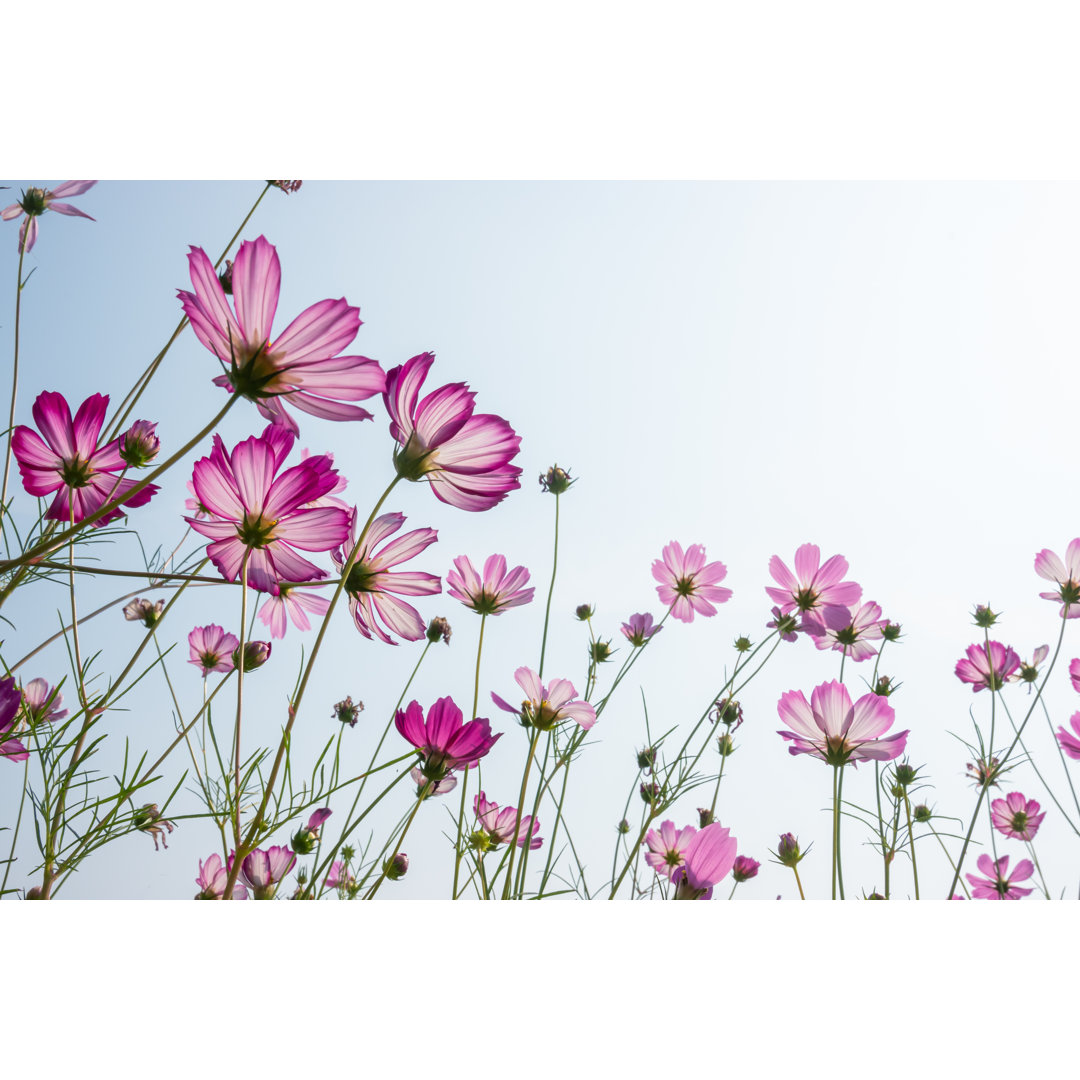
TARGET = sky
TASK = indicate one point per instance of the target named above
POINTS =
(871, 367)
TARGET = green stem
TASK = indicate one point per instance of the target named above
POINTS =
(911, 840)
(15, 832)
(798, 881)
(19, 283)
(551, 590)
(400, 840)
(465, 772)
(836, 826)
(240, 693)
(520, 806)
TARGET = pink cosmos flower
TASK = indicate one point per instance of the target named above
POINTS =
(546, 706)
(744, 868)
(829, 727)
(1016, 817)
(41, 703)
(370, 585)
(813, 585)
(445, 740)
(709, 857)
(846, 630)
(987, 671)
(438, 787)
(338, 877)
(211, 649)
(265, 516)
(10, 700)
(639, 628)
(1066, 575)
(70, 462)
(498, 825)
(264, 870)
(497, 591)
(302, 365)
(1068, 744)
(667, 848)
(687, 584)
(465, 456)
(998, 884)
(213, 877)
(291, 602)
(1074, 674)
(36, 201)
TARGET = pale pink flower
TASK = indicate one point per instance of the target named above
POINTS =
(213, 877)
(639, 628)
(293, 602)
(338, 877)
(438, 787)
(265, 516)
(446, 741)
(846, 630)
(497, 591)
(829, 727)
(1067, 742)
(498, 824)
(211, 649)
(464, 456)
(987, 671)
(36, 201)
(301, 365)
(1016, 817)
(371, 586)
(1065, 574)
(998, 883)
(667, 847)
(813, 585)
(263, 871)
(687, 583)
(546, 706)
(69, 461)
(708, 859)
(41, 702)
(10, 700)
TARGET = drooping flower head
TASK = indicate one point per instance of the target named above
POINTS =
(69, 461)
(813, 585)
(265, 870)
(709, 857)
(301, 366)
(1016, 817)
(1066, 575)
(497, 591)
(497, 826)
(639, 628)
(667, 847)
(41, 703)
(213, 877)
(10, 700)
(687, 583)
(148, 612)
(35, 201)
(371, 587)
(546, 706)
(211, 649)
(446, 741)
(987, 670)
(829, 727)
(846, 630)
(263, 515)
(293, 602)
(999, 884)
(465, 456)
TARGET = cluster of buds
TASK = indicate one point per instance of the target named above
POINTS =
(144, 611)
(438, 628)
(556, 480)
(348, 711)
(139, 445)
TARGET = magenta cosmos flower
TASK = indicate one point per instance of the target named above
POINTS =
(265, 516)
(41, 703)
(498, 825)
(1074, 674)
(829, 727)
(813, 585)
(465, 456)
(667, 847)
(687, 583)
(211, 649)
(10, 700)
(639, 628)
(265, 870)
(987, 670)
(1067, 742)
(497, 591)
(70, 462)
(1066, 575)
(546, 706)
(213, 877)
(1016, 817)
(709, 857)
(846, 630)
(36, 201)
(291, 602)
(445, 740)
(998, 883)
(744, 868)
(371, 586)
(302, 365)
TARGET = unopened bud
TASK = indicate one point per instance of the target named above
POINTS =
(438, 628)
(139, 445)
(726, 745)
(646, 759)
(256, 653)
(922, 812)
(891, 631)
(624, 826)
(984, 617)
(787, 850)
(397, 867)
(705, 816)
(585, 612)
(556, 480)
(650, 793)
(743, 644)
(600, 651)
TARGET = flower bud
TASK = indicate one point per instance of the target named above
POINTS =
(743, 644)
(885, 686)
(585, 612)
(787, 851)
(905, 775)
(225, 278)
(256, 653)
(726, 712)
(744, 868)
(984, 617)
(646, 759)
(650, 793)
(34, 893)
(726, 745)
(922, 812)
(139, 445)
(348, 711)
(556, 480)
(600, 652)
(144, 611)
(624, 826)
(303, 843)
(891, 631)
(397, 867)
(438, 628)
(288, 186)
(705, 817)
(875, 896)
